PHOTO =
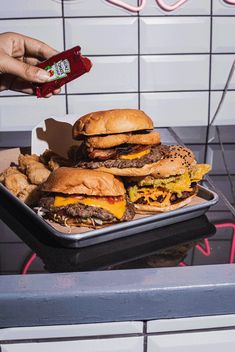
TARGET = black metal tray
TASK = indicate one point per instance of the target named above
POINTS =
(33, 222)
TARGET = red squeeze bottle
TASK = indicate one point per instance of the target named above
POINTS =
(63, 68)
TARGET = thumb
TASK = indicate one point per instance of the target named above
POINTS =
(23, 70)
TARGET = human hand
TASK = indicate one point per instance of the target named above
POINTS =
(18, 56)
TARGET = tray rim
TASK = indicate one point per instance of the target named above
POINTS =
(93, 233)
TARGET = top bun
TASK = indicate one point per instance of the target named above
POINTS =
(186, 155)
(82, 181)
(111, 122)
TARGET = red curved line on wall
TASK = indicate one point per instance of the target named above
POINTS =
(127, 6)
(231, 2)
(166, 7)
(161, 4)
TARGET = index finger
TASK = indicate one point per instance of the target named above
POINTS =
(38, 49)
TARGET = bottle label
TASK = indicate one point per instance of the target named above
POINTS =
(58, 70)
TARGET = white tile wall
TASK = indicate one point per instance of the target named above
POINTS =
(226, 115)
(23, 113)
(133, 344)
(198, 7)
(196, 342)
(221, 66)
(25, 8)
(174, 57)
(83, 104)
(206, 322)
(220, 7)
(223, 40)
(96, 8)
(84, 330)
(176, 109)
(174, 35)
(49, 31)
(122, 73)
(103, 36)
(174, 72)
(11, 93)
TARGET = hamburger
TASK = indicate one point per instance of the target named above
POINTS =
(119, 141)
(172, 185)
(76, 197)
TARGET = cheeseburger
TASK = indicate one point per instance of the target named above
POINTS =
(120, 142)
(171, 185)
(75, 197)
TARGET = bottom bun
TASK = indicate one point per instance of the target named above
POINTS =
(151, 209)
(161, 168)
(70, 222)
(147, 169)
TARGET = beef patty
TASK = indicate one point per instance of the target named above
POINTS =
(157, 152)
(83, 211)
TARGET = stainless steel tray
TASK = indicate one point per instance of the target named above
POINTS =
(33, 222)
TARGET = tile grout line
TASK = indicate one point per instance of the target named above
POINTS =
(128, 92)
(139, 102)
(111, 16)
(209, 87)
(69, 338)
(145, 333)
(202, 53)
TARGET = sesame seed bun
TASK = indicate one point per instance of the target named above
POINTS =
(186, 155)
(111, 122)
(168, 167)
(82, 181)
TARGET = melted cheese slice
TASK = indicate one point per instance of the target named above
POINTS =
(117, 208)
(198, 171)
(150, 195)
(135, 155)
(174, 184)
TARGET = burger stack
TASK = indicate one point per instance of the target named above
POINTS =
(120, 168)
(120, 142)
(77, 197)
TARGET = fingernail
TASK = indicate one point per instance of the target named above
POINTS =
(48, 95)
(43, 76)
